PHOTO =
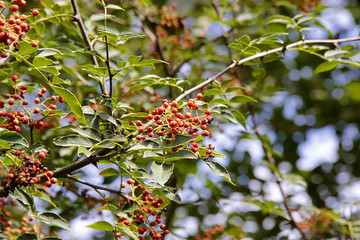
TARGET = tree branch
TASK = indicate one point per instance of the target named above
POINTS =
(98, 187)
(263, 54)
(77, 18)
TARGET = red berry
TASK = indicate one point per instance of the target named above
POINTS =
(36, 110)
(199, 96)
(43, 90)
(40, 94)
(130, 181)
(53, 180)
(42, 155)
(207, 111)
(35, 12)
(48, 184)
(50, 174)
(118, 234)
(206, 133)
(22, 3)
(25, 102)
(14, 78)
(53, 106)
(160, 133)
(61, 100)
(34, 44)
(149, 117)
(53, 98)
(14, 8)
(138, 123)
(126, 222)
(141, 130)
(37, 100)
(188, 115)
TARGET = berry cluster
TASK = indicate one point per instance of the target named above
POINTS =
(13, 28)
(168, 120)
(12, 230)
(147, 216)
(305, 5)
(213, 233)
(26, 174)
(15, 108)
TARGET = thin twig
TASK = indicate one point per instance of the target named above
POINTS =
(107, 61)
(77, 18)
(271, 160)
(260, 55)
(98, 187)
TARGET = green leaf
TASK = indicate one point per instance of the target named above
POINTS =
(107, 117)
(162, 171)
(219, 170)
(108, 172)
(152, 155)
(73, 141)
(43, 195)
(107, 207)
(240, 118)
(54, 220)
(50, 69)
(102, 225)
(326, 66)
(26, 49)
(105, 144)
(127, 231)
(13, 137)
(87, 132)
(213, 91)
(146, 145)
(242, 99)
(41, 62)
(27, 236)
(180, 140)
(52, 238)
(134, 59)
(181, 155)
(113, 6)
(226, 115)
(72, 101)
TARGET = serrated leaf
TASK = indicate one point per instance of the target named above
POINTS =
(108, 172)
(73, 141)
(102, 226)
(72, 102)
(54, 220)
(181, 155)
(219, 170)
(242, 99)
(180, 140)
(326, 66)
(162, 171)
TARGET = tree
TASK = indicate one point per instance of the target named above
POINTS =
(113, 109)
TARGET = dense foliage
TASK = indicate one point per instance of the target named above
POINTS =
(155, 119)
